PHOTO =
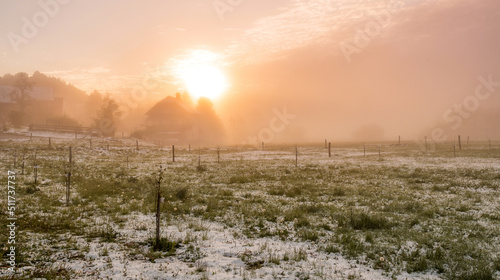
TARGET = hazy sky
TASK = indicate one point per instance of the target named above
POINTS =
(341, 67)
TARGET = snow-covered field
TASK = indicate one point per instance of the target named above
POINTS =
(256, 214)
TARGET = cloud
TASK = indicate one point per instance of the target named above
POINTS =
(300, 24)
(313, 22)
(95, 78)
(97, 70)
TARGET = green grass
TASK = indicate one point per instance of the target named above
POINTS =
(418, 213)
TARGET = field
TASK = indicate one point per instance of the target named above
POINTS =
(256, 214)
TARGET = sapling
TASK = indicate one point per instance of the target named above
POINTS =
(68, 182)
(158, 204)
(35, 166)
(22, 166)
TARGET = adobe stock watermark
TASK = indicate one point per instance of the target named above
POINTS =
(277, 124)
(454, 117)
(372, 28)
(222, 7)
(31, 26)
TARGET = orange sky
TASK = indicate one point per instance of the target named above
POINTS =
(340, 67)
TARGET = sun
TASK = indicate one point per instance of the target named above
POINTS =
(204, 80)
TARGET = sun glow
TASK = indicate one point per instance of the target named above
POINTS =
(201, 74)
(204, 81)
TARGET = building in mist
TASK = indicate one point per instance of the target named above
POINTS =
(173, 120)
(39, 105)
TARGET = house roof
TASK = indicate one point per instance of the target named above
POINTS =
(170, 105)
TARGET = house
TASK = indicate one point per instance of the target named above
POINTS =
(172, 120)
(175, 121)
(40, 104)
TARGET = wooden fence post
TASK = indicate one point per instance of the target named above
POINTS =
(296, 157)
(68, 183)
(459, 143)
(22, 172)
(173, 153)
(35, 166)
(329, 149)
(425, 145)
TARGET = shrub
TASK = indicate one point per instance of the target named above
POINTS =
(164, 245)
(238, 179)
(17, 118)
(364, 221)
(106, 234)
(182, 194)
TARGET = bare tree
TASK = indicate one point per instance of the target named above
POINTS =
(22, 94)
(158, 206)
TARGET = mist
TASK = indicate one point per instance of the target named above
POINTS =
(345, 71)
(402, 83)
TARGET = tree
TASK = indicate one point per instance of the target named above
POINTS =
(211, 128)
(22, 95)
(94, 102)
(108, 115)
(205, 106)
